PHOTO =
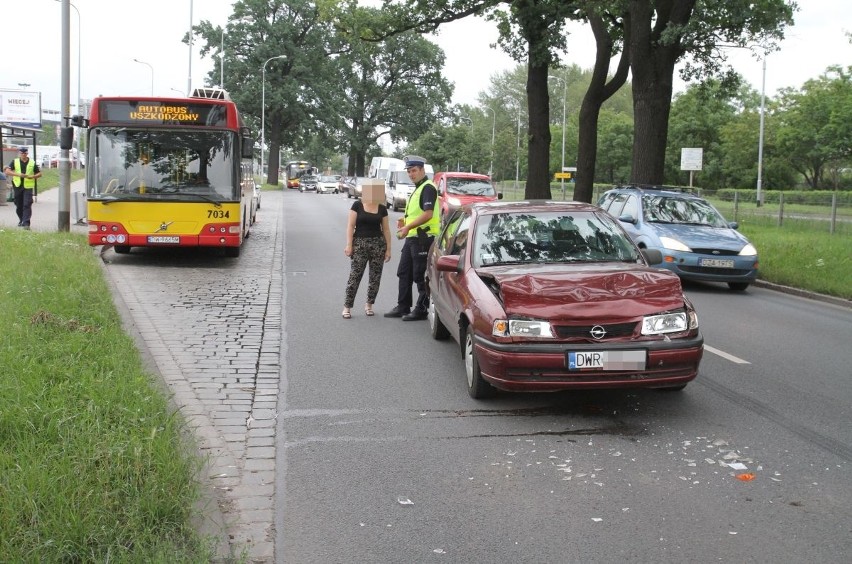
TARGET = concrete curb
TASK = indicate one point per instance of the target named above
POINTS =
(804, 293)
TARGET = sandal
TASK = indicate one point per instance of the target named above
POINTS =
(368, 309)
(346, 313)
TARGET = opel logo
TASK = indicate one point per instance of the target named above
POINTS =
(715, 252)
(598, 332)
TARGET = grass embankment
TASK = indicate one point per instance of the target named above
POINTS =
(93, 464)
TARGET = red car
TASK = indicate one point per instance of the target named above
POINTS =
(547, 296)
(457, 189)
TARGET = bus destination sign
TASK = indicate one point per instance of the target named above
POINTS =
(165, 113)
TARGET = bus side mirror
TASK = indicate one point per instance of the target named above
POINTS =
(247, 148)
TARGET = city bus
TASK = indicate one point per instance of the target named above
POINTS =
(169, 172)
(294, 170)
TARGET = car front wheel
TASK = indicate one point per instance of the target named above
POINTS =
(738, 286)
(477, 387)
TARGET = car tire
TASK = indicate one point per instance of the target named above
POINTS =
(738, 286)
(121, 249)
(477, 387)
(436, 326)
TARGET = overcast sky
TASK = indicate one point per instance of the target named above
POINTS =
(115, 32)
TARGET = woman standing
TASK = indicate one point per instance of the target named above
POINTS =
(367, 241)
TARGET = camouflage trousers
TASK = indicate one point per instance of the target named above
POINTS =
(365, 250)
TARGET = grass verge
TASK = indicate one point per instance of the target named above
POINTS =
(94, 466)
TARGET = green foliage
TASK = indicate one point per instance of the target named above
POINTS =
(93, 465)
(816, 125)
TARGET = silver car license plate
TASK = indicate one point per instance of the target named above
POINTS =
(606, 360)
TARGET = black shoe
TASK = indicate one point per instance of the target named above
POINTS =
(397, 312)
(415, 315)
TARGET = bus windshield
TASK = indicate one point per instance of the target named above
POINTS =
(151, 164)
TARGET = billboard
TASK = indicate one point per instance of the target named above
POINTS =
(20, 108)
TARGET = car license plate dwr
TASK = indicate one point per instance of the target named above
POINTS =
(605, 360)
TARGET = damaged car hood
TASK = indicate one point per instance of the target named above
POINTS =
(597, 292)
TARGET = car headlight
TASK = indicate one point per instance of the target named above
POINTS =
(667, 323)
(455, 202)
(521, 328)
(674, 245)
(748, 251)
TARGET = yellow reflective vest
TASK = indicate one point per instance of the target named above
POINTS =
(412, 210)
(27, 183)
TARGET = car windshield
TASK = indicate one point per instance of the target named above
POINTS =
(690, 211)
(549, 237)
(470, 187)
(129, 163)
(328, 179)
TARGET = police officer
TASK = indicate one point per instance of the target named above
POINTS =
(418, 227)
(23, 173)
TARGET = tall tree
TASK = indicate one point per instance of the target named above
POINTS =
(389, 87)
(661, 32)
(286, 39)
(530, 30)
(816, 125)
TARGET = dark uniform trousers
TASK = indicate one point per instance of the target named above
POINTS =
(412, 270)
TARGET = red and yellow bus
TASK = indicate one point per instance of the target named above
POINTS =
(169, 172)
(295, 170)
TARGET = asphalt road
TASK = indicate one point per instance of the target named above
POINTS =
(376, 411)
(380, 455)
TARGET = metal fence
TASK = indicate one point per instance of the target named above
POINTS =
(822, 214)
(826, 213)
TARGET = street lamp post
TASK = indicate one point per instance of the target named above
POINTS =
(493, 129)
(760, 139)
(152, 72)
(263, 111)
(564, 98)
(470, 123)
(79, 66)
(518, 152)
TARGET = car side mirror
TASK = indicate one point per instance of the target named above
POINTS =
(652, 256)
(450, 263)
(499, 195)
(734, 225)
(627, 218)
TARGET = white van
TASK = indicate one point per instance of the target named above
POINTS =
(398, 188)
(381, 166)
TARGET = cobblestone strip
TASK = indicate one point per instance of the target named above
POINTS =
(214, 335)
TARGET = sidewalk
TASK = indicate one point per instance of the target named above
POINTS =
(45, 211)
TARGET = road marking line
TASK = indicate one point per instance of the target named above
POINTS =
(725, 355)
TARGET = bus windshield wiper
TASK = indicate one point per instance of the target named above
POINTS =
(216, 203)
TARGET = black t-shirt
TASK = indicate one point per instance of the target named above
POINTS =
(368, 224)
(428, 196)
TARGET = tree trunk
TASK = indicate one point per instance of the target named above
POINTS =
(538, 136)
(652, 62)
(598, 92)
(272, 164)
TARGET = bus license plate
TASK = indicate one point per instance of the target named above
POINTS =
(164, 239)
(716, 263)
(606, 360)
